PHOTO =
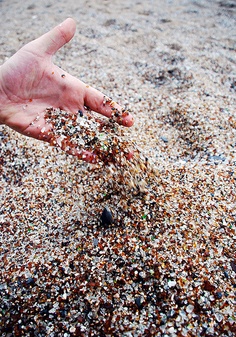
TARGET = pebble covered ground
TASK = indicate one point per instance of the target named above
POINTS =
(162, 260)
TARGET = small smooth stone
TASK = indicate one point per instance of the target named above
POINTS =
(106, 217)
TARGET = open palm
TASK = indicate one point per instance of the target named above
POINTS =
(30, 83)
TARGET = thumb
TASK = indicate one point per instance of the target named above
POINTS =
(53, 40)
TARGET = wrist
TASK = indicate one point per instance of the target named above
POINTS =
(4, 101)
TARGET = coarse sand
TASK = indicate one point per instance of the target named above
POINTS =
(163, 261)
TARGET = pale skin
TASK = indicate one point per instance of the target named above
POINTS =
(30, 83)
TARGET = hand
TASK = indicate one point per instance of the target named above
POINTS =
(30, 84)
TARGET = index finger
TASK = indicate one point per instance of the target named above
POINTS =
(98, 102)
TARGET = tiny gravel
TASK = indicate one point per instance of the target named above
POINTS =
(140, 247)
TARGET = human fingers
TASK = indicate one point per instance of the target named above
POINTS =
(77, 95)
(100, 103)
(57, 37)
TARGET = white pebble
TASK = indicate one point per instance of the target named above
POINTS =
(171, 284)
